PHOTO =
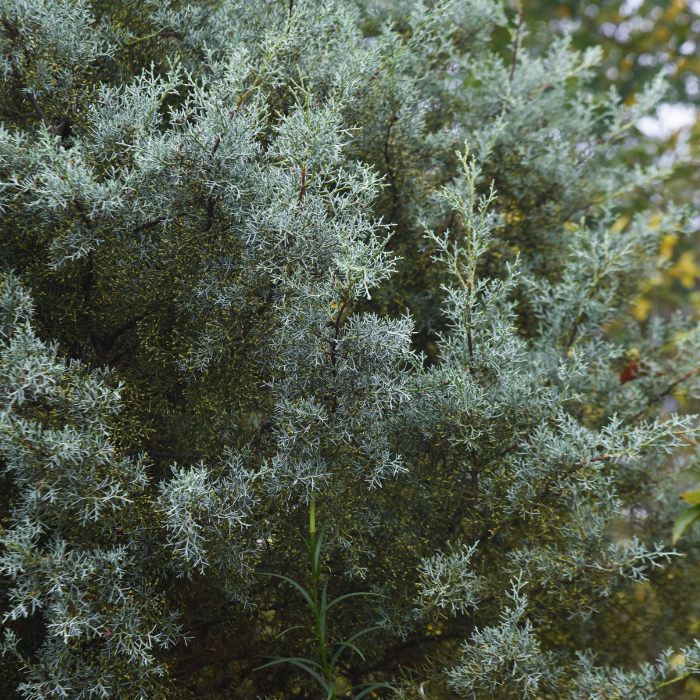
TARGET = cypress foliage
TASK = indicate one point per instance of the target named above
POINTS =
(318, 376)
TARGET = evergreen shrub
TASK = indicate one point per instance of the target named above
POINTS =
(318, 371)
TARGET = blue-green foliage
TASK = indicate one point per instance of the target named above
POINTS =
(75, 550)
(333, 253)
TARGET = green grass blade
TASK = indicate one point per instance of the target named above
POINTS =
(370, 687)
(291, 527)
(326, 608)
(352, 646)
(298, 586)
(349, 641)
(321, 535)
(301, 663)
(289, 629)
(322, 618)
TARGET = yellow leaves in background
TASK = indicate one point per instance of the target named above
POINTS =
(692, 497)
(684, 271)
(620, 224)
(677, 6)
(641, 308)
(667, 246)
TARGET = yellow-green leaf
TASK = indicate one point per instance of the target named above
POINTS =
(692, 497)
(685, 520)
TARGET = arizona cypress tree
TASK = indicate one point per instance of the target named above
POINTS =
(318, 374)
